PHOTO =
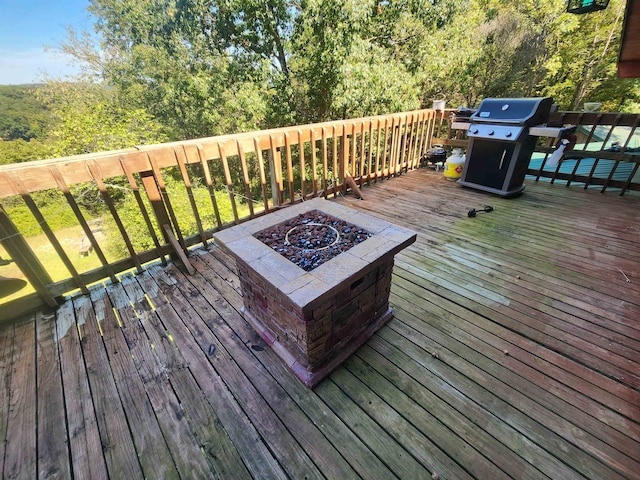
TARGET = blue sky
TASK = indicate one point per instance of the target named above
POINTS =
(27, 27)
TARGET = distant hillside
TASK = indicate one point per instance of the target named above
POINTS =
(22, 117)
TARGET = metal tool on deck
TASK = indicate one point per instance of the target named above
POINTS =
(473, 212)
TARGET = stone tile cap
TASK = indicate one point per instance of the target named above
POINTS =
(304, 287)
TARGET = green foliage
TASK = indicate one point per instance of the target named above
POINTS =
(16, 151)
(163, 70)
(89, 117)
(53, 207)
(171, 59)
(22, 117)
(138, 231)
(582, 67)
(366, 79)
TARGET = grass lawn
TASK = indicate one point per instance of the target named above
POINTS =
(70, 239)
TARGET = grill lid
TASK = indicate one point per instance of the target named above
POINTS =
(513, 111)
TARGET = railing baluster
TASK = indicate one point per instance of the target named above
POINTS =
(64, 188)
(353, 154)
(166, 202)
(378, 141)
(403, 153)
(145, 215)
(383, 153)
(410, 145)
(314, 164)
(287, 147)
(421, 132)
(630, 178)
(425, 138)
(370, 153)
(325, 163)
(21, 253)
(361, 157)
(35, 211)
(263, 178)
(572, 175)
(393, 140)
(192, 200)
(94, 170)
(227, 176)
(335, 161)
(276, 172)
(245, 177)
(303, 167)
(604, 143)
(610, 176)
(209, 181)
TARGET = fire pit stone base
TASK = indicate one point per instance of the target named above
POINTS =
(315, 320)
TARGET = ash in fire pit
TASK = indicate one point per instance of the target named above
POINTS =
(312, 238)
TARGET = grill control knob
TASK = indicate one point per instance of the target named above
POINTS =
(508, 134)
(474, 130)
(490, 132)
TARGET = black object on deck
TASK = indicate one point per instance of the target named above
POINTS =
(500, 145)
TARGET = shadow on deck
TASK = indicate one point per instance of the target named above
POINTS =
(514, 353)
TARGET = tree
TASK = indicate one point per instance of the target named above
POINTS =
(583, 65)
(172, 58)
(205, 67)
(16, 151)
(21, 115)
(89, 117)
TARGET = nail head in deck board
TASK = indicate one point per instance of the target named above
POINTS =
(257, 457)
(322, 452)
(52, 441)
(87, 459)
(151, 387)
(543, 426)
(223, 456)
(115, 435)
(295, 460)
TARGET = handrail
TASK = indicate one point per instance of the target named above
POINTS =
(223, 180)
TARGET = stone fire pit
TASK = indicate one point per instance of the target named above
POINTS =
(315, 319)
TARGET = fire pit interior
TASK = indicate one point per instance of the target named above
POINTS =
(315, 279)
(312, 238)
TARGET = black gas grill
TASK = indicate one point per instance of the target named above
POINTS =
(501, 143)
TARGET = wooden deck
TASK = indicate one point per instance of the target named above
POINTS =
(514, 353)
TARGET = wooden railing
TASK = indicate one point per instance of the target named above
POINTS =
(606, 154)
(160, 200)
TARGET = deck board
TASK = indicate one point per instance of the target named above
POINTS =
(20, 456)
(514, 353)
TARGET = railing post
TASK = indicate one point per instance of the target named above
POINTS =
(21, 253)
(153, 192)
(275, 172)
(343, 160)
